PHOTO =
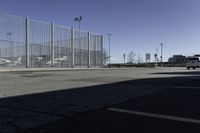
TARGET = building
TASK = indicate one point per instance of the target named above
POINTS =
(178, 59)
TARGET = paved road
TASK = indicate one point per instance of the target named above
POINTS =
(114, 100)
(173, 108)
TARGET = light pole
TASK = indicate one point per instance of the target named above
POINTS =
(109, 36)
(79, 19)
(161, 57)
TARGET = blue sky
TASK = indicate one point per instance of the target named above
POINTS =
(136, 25)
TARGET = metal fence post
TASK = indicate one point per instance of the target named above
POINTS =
(89, 65)
(27, 41)
(72, 47)
(102, 58)
(96, 51)
(52, 44)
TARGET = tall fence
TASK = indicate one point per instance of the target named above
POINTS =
(25, 42)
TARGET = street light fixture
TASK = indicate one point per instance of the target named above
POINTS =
(79, 19)
(109, 36)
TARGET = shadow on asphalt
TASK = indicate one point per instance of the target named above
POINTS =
(29, 111)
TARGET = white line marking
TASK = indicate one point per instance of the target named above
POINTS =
(167, 117)
(186, 87)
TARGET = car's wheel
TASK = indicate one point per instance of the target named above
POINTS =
(188, 68)
(194, 67)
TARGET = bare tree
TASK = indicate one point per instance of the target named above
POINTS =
(105, 56)
(131, 57)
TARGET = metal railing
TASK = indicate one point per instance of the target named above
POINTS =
(25, 42)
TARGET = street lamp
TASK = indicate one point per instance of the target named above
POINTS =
(79, 19)
(161, 57)
(109, 36)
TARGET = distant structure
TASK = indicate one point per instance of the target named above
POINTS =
(197, 55)
(179, 59)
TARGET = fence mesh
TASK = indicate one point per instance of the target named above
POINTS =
(62, 47)
(12, 41)
(80, 48)
(95, 50)
(39, 44)
(69, 47)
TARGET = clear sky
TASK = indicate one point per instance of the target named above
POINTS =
(136, 25)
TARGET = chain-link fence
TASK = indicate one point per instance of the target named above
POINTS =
(26, 42)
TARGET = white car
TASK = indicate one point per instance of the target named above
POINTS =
(193, 62)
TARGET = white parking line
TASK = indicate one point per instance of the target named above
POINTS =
(186, 87)
(160, 116)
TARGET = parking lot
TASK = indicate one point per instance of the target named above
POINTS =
(100, 100)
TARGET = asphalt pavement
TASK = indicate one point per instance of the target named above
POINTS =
(171, 105)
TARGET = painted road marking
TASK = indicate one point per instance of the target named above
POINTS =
(160, 116)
